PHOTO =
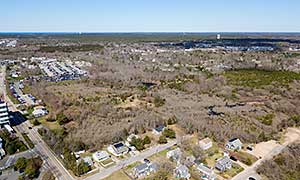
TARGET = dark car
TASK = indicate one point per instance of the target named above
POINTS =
(249, 148)
(29, 127)
(233, 158)
(251, 178)
(147, 161)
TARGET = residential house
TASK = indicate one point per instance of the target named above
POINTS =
(189, 161)
(205, 143)
(175, 155)
(144, 169)
(39, 111)
(223, 164)
(234, 144)
(100, 156)
(158, 130)
(118, 149)
(88, 160)
(207, 173)
(182, 171)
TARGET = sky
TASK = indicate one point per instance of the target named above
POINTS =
(150, 16)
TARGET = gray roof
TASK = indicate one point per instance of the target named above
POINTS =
(183, 171)
(160, 128)
(224, 160)
(153, 166)
(141, 168)
(205, 170)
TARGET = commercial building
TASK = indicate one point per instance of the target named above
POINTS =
(4, 116)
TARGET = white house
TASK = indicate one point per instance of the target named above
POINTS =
(144, 169)
(205, 143)
(182, 172)
(234, 144)
(39, 111)
(207, 173)
(100, 156)
(174, 154)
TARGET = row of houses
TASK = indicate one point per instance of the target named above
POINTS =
(222, 164)
(8, 42)
(234, 144)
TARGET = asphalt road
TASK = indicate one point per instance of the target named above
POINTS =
(106, 172)
(41, 148)
(10, 160)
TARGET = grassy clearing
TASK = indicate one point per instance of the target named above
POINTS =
(260, 78)
(211, 160)
(51, 125)
(118, 175)
(246, 158)
(267, 119)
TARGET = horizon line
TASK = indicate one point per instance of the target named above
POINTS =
(145, 32)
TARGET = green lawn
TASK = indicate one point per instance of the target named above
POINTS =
(232, 172)
(107, 162)
(246, 158)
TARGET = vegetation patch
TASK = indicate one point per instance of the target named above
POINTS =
(12, 145)
(285, 166)
(69, 49)
(233, 171)
(267, 119)
(245, 158)
(27, 139)
(30, 167)
(259, 78)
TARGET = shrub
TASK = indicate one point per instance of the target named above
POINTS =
(138, 143)
(36, 122)
(158, 101)
(162, 140)
(169, 133)
(147, 140)
(267, 119)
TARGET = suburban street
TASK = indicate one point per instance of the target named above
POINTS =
(41, 148)
(106, 172)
